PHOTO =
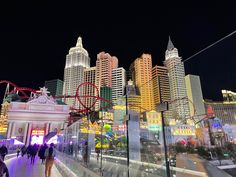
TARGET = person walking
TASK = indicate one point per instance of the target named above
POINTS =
(97, 150)
(18, 151)
(23, 150)
(41, 153)
(3, 151)
(33, 153)
(3, 169)
(50, 154)
(85, 153)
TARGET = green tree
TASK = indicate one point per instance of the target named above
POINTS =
(231, 148)
(179, 147)
(190, 147)
(203, 152)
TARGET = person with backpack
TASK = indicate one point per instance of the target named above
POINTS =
(3, 169)
(50, 153)
(41, 152)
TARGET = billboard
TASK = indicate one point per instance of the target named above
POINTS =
(37, 136)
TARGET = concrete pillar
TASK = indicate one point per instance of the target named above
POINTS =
(62, 126)
(13, 129)
(50, 127)
(25, 133)
(47, 129)
(28, 134)
(9, 129)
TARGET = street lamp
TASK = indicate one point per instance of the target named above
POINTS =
(161, 108)
(127, 129)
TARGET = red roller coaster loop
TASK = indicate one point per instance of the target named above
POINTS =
(80, 98)
(94, 97)
(16, 89)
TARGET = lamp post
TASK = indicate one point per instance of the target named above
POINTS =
(127, 130)
(161, 108)
(101, 139)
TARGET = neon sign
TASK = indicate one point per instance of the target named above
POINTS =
(37, 132)
(184, 131)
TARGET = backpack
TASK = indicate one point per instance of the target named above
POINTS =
(50, 153)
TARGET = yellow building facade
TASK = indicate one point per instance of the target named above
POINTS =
(4, 118)
(141, 70)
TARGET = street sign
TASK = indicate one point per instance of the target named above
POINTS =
(226, 155)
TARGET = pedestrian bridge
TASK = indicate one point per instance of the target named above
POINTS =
(66, 166)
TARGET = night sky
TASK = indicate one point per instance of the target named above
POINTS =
(35, 38)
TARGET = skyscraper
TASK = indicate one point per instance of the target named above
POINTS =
(134, 98)
(76, 61)
(118, 83)
(161, 87)
(178, 93)
(194, 92)
(55, 87)
(141, 72)
(89, 89)
(104, 65)
(105, 93)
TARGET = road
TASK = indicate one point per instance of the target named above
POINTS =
(191, 162)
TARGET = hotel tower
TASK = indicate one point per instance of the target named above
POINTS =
(141, 71)
(76, 61)
(178, 93)
(104, 65)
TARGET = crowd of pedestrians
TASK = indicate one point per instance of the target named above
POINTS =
(45, 153)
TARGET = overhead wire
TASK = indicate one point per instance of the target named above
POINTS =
(209, 46)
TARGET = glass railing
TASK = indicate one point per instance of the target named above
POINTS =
(103, 148)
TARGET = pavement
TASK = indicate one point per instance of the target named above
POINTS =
(190, 162)
(21, 167)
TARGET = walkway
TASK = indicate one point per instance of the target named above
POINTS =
(21, 167)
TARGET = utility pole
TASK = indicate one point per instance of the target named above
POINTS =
(127, 130)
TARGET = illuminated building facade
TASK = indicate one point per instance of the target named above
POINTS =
(76, 61)
(161, 88)
(105, 63)
(4, 119)
(118, 83)
(134, 98)
(30, 121)
(180, 133)
(106, 93)
(119, 110)
(194, 92)
(228, 95)
(153, 121)
(175, 67)
(224, 110)
(89, 76)
(141, 70)
(119, 114)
